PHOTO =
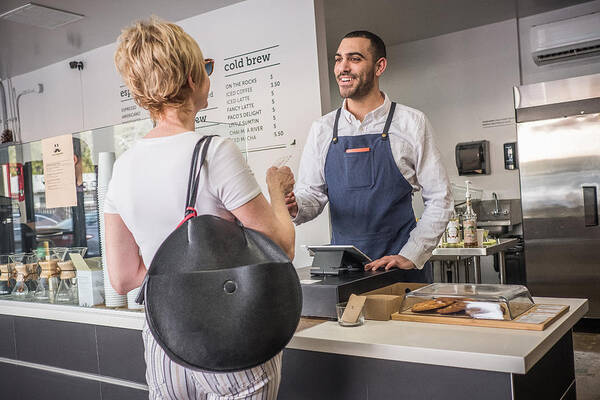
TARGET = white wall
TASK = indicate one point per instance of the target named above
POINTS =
(568, 69)
(460, 80)
(72, 100)
(58, 109)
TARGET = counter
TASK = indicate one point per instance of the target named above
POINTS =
(397, 359)
(378, 360)
(489, 349)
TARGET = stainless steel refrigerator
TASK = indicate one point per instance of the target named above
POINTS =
(558, 142)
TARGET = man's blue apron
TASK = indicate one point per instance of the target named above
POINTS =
(370, 201)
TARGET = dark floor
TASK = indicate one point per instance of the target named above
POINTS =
(586, 343)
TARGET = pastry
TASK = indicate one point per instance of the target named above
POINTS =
(453, 308)
(430, 305)
(450, 299)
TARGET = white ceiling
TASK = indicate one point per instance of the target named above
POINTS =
(25, 48)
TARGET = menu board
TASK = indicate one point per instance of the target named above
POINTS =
(248, 77)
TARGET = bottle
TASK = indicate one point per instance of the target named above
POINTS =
(469, 222)
(453, 231)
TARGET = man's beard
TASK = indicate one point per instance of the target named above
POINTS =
(363, 88)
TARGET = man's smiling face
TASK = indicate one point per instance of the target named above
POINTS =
(355, 67)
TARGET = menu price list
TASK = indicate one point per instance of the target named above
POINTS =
(252, 99)
(250, 104)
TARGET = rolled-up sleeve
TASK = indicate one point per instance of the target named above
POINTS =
(311, 189)
(433, 179)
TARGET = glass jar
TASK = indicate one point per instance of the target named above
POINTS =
(33, 271)
(48, 281)
(20, 290)
(67, 290)
(6, 275)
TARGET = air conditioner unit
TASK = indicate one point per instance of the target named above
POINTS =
(566, 40)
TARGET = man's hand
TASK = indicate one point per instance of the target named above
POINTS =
(396, 261)
(290, 202)
(280, 179)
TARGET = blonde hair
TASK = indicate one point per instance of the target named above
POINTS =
(155, 59)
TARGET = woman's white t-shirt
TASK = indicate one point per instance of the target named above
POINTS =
(149, 186)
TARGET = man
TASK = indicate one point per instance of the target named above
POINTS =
(366, 159)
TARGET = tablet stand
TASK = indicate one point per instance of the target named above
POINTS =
(335, 263)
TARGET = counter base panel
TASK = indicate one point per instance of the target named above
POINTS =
(553, 374)
(315, 375)
(20, 382)
(47, 359)
(106, 351)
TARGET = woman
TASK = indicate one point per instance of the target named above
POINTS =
(167, 75)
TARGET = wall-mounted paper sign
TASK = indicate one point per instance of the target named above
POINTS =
(59, 171)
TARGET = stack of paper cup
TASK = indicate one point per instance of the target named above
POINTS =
(105, 169)
(131, 296)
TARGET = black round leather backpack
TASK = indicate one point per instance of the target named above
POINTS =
(219, 297)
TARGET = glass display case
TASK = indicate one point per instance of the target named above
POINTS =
(36, 240)
(464, 300)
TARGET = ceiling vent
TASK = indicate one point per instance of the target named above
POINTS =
(566, 40)
(40, 16)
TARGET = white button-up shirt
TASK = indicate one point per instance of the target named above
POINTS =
(415, 154)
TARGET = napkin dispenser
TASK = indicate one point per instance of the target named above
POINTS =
(473, 158)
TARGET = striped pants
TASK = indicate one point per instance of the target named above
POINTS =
(170, 381)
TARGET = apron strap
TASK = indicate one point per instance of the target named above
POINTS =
(335, 126)
(386, 128)
(388, 122)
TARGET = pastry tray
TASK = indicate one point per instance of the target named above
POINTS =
(468, 301)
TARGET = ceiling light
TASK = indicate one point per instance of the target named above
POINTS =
(40, 16)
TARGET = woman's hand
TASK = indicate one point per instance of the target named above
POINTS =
(280, 180)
